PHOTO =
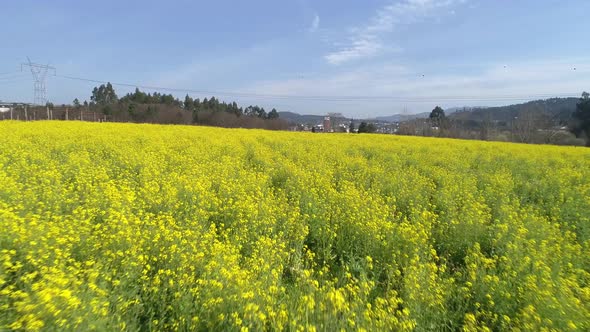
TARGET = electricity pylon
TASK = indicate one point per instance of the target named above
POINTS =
(39, 75)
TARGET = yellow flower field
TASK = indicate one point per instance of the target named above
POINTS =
(146, 228)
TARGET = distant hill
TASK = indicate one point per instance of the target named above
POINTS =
(559, 109)
(306, 119)
(313, 119)
(408, 117)
(463, 108)
(301, 119)
(402, 117)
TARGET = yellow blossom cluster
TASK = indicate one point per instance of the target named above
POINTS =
(174, 228)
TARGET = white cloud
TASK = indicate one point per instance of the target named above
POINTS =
(315, 24)
(387, 89)
(361, 46)
(367, 41)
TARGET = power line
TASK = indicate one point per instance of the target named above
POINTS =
(12, 77)
(330, 98)
(13, 81)
(10, 73)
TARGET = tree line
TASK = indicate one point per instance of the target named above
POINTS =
(139, 106)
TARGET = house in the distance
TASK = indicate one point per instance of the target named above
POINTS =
(327, 124)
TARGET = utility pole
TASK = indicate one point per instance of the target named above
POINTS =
(39, 73)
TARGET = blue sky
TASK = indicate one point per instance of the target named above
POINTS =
(310, 57)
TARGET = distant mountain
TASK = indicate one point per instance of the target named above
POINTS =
(463, 109)
(402, 117)
(301, 119)
(559, 109)
(408, 117)
(306, 119)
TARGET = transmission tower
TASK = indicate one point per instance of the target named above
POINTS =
(39, 75)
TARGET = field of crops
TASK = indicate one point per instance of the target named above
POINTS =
(145, 227)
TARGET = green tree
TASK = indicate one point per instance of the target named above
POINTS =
(362, 127)
(351, 126)
(131, 111)
(255, 111)
(151, 112)
(104, 95)
(235, 109)
(107, 110)
(167, 99)
(437, 117)
(273, 114)
(188, 103)
(365, 127)
(197, 105)
(138, 97)
(581, 118)
(76, 103)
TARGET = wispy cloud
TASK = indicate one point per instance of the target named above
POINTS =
(315, 24)
(367, 40)
(491, 84)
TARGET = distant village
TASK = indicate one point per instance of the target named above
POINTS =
(338, 123)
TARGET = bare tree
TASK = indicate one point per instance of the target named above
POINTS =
(408, 127)
(487, 126)
(525, 124)
(549, 129)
